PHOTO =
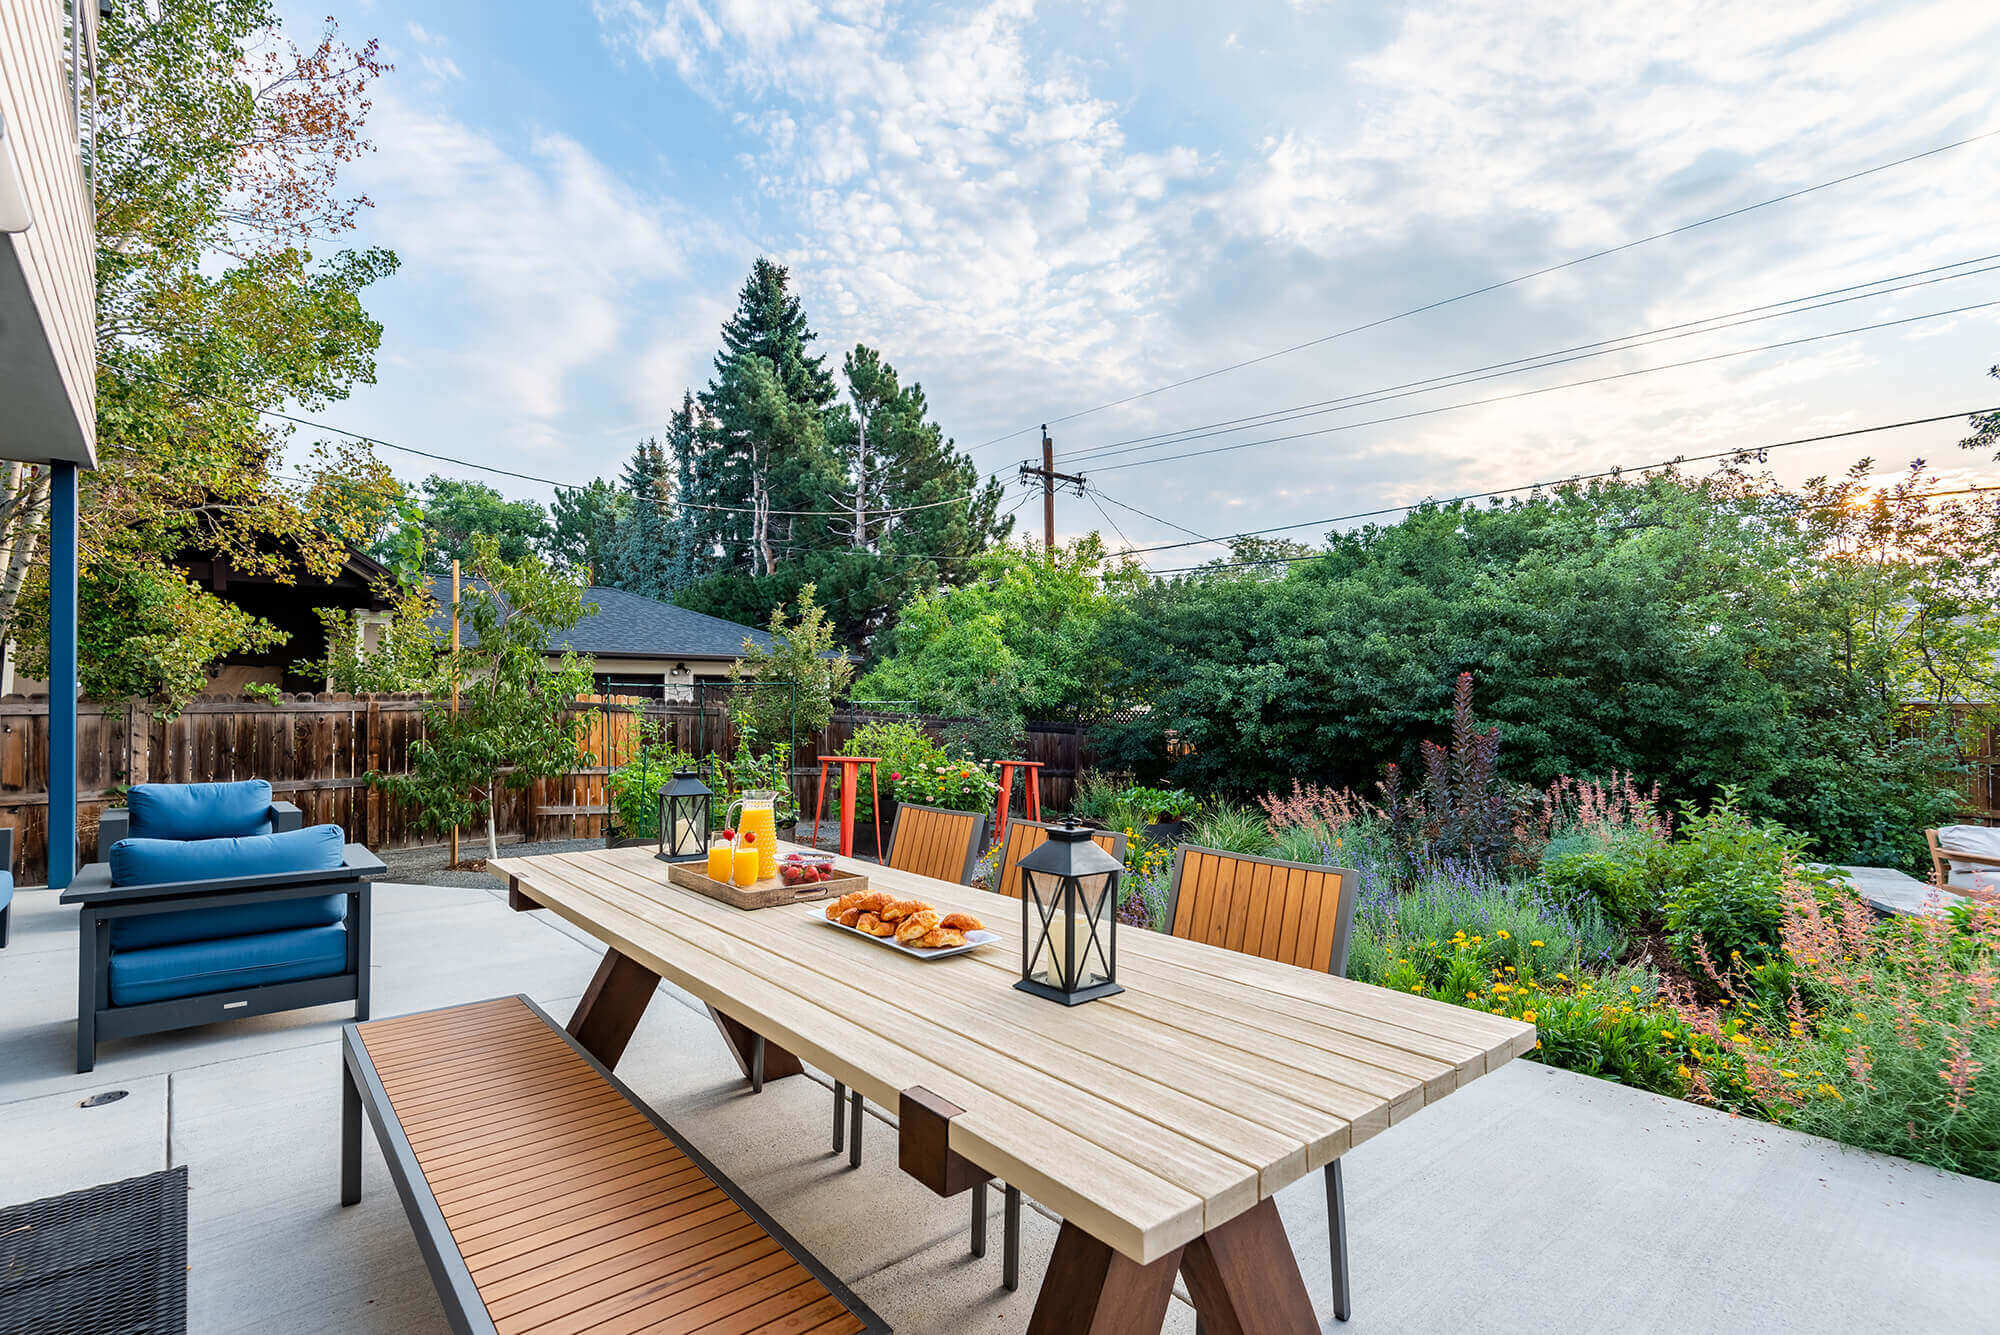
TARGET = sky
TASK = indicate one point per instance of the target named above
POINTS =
(1037, 210)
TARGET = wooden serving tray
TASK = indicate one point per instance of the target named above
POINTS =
(762, 894)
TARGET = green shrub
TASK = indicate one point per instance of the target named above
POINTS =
(1104, 800)
(902, 747)
(957, 785)
(1160, 804)
(635, 787)
(1456, 930)
(1612, 871)
(1721, 886)
(1233, 828)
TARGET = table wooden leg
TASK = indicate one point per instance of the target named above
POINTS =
(1092, 1290)
(1244, 1279)
(611, 1007)
(742, 1041)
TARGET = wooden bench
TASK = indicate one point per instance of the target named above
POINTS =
(543, 1193)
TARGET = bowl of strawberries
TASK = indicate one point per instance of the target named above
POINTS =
(805, 868)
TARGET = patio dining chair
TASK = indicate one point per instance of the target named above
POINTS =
(1965, 860)
(1025, 836)
(1290, 912)
(930, 841)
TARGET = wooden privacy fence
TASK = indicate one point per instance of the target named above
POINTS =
(317, 751)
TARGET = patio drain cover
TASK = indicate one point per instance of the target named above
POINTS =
(109, 1260)
(99, 1100)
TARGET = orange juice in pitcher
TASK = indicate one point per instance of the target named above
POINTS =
(760, 817)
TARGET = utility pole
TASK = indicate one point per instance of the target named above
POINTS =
(1049, 477)
(454, 678)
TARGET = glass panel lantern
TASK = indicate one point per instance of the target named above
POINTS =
(1069, 918)
(684, 818)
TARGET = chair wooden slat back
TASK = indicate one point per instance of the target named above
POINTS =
(932, 841)
(1292, 912)
(1025, 836)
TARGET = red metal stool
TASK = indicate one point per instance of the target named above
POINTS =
(850, 783)
(1032, 798)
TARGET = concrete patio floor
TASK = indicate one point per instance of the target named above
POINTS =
(1533, 1200)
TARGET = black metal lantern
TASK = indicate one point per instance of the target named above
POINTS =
(684, 818)
(1069, 918)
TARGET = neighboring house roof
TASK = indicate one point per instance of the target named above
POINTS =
(631, 625)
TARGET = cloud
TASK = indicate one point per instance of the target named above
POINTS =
(529, 257)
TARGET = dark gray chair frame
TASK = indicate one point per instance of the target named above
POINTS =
(6, 864)
(1343, 924)
(102, 902)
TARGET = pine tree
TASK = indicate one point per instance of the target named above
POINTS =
(766, 408)
(641, 542)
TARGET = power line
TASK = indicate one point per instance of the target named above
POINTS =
(1144, 514)
(1548, 389)
(1542, 360)
(1509, 282)
(1091, 493)
(572, 486)
(1786, 511)
(1740, 452)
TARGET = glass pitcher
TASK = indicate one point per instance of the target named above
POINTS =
(759, 816)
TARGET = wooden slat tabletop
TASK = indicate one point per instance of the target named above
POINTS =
(1146, 1118)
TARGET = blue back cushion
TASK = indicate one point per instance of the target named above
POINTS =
(158, 861)
(199, 810)
(226, 923)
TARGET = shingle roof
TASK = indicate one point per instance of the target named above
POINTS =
(634, 625)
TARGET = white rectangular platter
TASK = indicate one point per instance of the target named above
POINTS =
(973, 940)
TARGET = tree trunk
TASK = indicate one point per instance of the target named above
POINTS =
(492, 835)
(859, 538)
(21, 515)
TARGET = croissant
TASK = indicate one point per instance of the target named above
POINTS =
(914, 926)
(838, 907)
(874, 926)
(962, 922)
(902, 909)
(851, 917)
(938, 938)
(872, 901)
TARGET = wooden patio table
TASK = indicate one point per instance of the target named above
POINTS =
(1158, 1123)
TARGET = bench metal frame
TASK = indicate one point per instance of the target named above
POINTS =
(362, 1092)
(102, 902)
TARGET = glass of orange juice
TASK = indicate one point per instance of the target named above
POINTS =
(748, 856)
(721, 859)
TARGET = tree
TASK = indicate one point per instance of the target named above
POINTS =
(457, 513)
(584, 532)
(646, 555)
(216, 164)
(516, 723)
(1020, 638)
(1701, 633)
(410, 656)
(787, 689)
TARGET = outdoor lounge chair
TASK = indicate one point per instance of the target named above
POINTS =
(1965, 859)
(1291, 912)
(209, 902)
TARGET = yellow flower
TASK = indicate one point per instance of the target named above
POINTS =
(1683, 1072)
(1535, 943)
(1472, 996)
(1635, 989)
(1502, 934)
(1529, 1016)
(1789, 1075)
(1562, 977)
(1739, 1038)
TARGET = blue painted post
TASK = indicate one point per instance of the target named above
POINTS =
(62, 674)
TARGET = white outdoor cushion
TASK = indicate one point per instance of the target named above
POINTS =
(1981, 839)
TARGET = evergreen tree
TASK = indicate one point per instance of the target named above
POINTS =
(765, 410)
(641, 545)
(585, 528)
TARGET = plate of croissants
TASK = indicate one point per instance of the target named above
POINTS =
(908, 925)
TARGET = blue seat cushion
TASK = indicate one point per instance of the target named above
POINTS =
(6, 888)
(274, 915)
(195, 968)
(142, 861)
(199, 810)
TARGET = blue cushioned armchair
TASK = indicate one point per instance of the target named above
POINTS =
(210, 901)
